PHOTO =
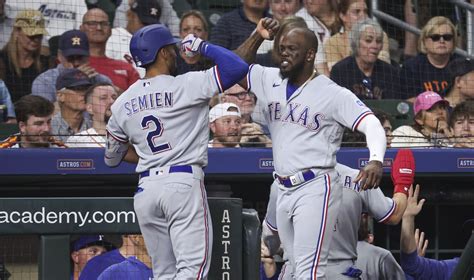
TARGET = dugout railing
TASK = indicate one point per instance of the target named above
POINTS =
(236, 231)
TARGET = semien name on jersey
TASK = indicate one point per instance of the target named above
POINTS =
(149, 101)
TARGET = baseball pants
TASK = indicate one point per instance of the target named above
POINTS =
(306, 216)
(174, 219)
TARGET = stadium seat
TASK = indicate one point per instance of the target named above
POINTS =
(401, 111)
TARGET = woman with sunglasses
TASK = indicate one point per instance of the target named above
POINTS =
(364, 73)
(20, 59)
(428, 70)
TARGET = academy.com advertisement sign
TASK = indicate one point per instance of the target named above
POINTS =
(67, 215)
(47, 216)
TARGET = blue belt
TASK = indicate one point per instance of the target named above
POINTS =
(295, 180)
(172, 169)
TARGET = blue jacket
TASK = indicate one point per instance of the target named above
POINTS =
(420, 268)
(131, 268)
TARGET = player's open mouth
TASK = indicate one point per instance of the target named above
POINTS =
(284, 63)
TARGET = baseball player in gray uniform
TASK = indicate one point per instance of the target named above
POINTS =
(344, 247)
(165, 118)
(306, 114)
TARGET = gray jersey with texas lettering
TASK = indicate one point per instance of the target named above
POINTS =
(166, 118)
(354, 202)
(307, 129)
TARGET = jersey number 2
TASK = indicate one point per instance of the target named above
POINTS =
(154, 133)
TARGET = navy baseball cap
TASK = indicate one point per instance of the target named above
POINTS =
(71, 78)
(148, 11)
(87, 241)
(74, 42)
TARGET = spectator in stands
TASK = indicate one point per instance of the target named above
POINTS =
(234, 27)
(193, 22)
(71, 86)
(99, 99)
(252, 133)
(225, 122)
(280, 9)
(97, 28)
(430, 127)
(59, 16)
(168, 15)
(461, 123)
(132, 247)
(364, 73)
(73, 52)
(84, 249)
(34, 114)
(321, 18)
(356, 139)
(140, 14)
(461, 85)
(418, 267)
(8, 111)
(428, 71)
(374, 262)
(20, 59)
(338, 46)
(136, 266)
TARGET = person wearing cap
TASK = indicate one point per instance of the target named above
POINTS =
(140, 13)
(253, 134)
(461, 123)
(83, 249)
(59, 16)
(98, 30)
(73, 52)
(33, 114)
(430, 127)
(71, 87)
(130, 261)
(462, 81)
(99, 99)
(225, 122)
(20, 59)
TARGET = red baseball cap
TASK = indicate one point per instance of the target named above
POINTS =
(426, 100)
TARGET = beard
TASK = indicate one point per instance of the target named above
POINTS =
(293, 72)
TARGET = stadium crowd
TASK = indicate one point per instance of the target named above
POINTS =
(62, 68)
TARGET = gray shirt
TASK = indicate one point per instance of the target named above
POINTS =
(61, 129)
(377, 263)
(45, 84)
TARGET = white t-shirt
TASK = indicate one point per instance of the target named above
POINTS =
(86, 139)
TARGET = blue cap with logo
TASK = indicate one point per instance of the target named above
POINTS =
(87, 241)
(72, 78)
(74, 42)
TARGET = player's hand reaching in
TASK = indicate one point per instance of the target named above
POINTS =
(267, 28)
(413, 206)
(191, 45)
(421, 242)
(370, 176)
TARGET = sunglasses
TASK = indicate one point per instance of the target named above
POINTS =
(437, 37)
(242, 95)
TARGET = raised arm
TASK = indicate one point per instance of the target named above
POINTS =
(266, 30)
(230, 67)
(407, 238)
